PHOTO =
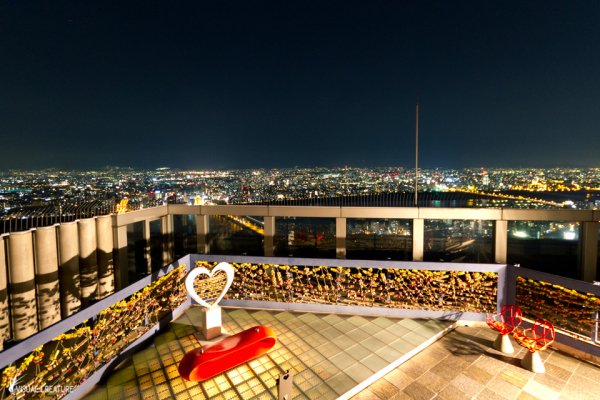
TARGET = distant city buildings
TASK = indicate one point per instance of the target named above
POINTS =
(25, 192)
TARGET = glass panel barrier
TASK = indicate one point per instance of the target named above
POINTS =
(184, 235)
(305, 237)
(548, 246)
(156, 245)
(379, 239)
(136, 253)
(233, 234)
(458, 241)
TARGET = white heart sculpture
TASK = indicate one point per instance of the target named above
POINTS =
(189, 282)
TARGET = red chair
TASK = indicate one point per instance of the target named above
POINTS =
(535, 339)
(505, 322)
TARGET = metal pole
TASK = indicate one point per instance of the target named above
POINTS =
(417, 154)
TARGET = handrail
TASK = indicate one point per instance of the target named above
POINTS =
(506, 282)
(556, 279)
(438, 280)
(574, 305)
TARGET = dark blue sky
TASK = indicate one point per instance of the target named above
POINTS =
(223, 84)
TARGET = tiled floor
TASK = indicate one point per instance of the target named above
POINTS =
(331, 354)
(462, 365)
(328, 354)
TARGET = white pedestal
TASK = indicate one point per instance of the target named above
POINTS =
(211, 322)
(503, 344)
(533, 362)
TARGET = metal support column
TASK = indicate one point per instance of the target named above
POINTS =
(500, 241)
(166, 225)
(418, 238)
(269, 236)
(589, 251)
(340, 237)
(147, 243)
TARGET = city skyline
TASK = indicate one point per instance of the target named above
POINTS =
(408, 169)
(270, 85)
(502, 187)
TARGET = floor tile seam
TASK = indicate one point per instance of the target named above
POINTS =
(480, 391)
(493, 375)
(445, 384)
(573, 375)
(402, 360)
(306, 366)
(465, 395)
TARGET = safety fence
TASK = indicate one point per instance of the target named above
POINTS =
(68, 358)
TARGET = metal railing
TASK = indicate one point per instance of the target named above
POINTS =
(26, 256)
(78, 350)
(572, 306)
(375, 288)
(379, 288)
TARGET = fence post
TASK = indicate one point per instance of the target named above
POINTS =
(589, 250)
(500, 241)
(418, 238)
(340, 237)
(269, 236)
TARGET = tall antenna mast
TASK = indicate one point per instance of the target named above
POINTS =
(417, 154)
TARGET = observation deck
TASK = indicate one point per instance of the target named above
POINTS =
(101, 301)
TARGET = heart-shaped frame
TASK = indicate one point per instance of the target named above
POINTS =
(189, 282)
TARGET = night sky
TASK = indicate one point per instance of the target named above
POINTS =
(244, 84)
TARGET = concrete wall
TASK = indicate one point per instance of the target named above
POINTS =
(88, 262)
(104, 236)
(46, 276)
(70, 285)
(21, 277)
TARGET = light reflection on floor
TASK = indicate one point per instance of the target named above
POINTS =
(328, 354)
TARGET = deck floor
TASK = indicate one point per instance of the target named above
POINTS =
(462, 365)
(329, 355)
(333, 356)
